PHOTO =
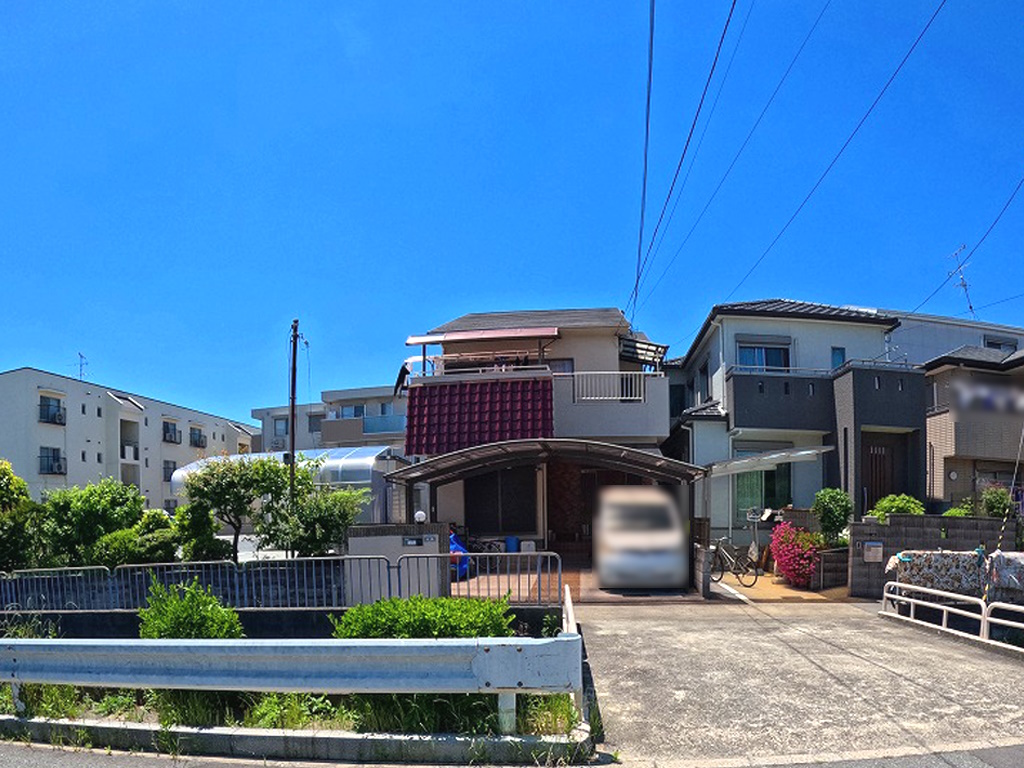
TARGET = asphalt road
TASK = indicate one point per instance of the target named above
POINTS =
(727, 684)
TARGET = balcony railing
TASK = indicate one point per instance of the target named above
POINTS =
(129, 451)
(52, 465)
(172, 436)
(53, 414)
(197, 441)
(392, 422)
(604, 386)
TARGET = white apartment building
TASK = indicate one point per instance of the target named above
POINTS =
(58, 432)
(361, 416)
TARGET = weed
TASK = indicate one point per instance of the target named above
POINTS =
(295, 711)
(555, 713)
(552, 625)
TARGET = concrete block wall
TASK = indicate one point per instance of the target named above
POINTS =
(917, 532)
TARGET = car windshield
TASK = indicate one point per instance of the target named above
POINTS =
(639, 517)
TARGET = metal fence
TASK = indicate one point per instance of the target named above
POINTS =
(502, 666)
(317, 582)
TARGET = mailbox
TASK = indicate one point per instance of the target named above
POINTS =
(873, 551)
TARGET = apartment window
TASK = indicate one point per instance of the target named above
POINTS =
(50, 410)
(83, 456)
(280, 427)
(705, 383)
(171, 433)
(386, 409)
(353, 411)
(146, 421)
(170, 505)
(765, 489)
(83, 409)
(314, 421)
(169, 467)
(214, 435)
(762, 357)
(147, 463)
(99, 457)
(196, 438)
(838, 357)
(50, 462)
(1001, 343)
(99, 411)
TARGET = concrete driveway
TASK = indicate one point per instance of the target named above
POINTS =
(781, 684)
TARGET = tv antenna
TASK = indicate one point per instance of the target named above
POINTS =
(82, 363)
(959, 270)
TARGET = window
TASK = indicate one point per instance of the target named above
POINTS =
(691, 393)
(353, 411)
(50, 410)
(765, 489)
(760, 358)
(147, 463)
(196, 438)
(99, 411)
(563, 365)
(171, 433)
(83, 409)
(280, 427)
(50, 462)
(838, 357)
(386, 409)
(99, 457)
(169, 467)
(170, 505)
(705, 383)
(214, 435)
(314, 421)
(83, 456)
(146, 420)
(1001, 343)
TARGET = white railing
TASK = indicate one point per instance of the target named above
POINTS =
(898, 594)
(618, 386)
(504, 666)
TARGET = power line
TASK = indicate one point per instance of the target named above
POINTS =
(693, 160)
(736, 157)
(839, 154)
(647, 140)
(693, 126)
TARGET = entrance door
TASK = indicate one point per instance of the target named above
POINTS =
(884, 466)
(503, 502)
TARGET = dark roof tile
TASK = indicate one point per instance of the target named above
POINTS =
(536, 318)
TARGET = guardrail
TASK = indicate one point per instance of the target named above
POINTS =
(620, 386)
(895, 595)
(316, 582)
(503, 666)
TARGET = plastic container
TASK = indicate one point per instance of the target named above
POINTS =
(511, 543)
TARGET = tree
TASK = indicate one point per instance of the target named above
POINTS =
(317, 525)
(74, 519)
(231, 490)
(832, 507)
(195, 530)
(13, 490)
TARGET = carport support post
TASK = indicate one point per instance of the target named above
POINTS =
(507, 713)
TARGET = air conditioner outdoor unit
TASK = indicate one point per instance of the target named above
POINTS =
(58, 467)
(60, 417)
(277, 444)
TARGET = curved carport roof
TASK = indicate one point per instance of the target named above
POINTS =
(456, 465)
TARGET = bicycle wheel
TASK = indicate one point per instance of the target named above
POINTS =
(717, 566)
(746, 571)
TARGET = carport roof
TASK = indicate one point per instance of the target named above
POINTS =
(480, 458)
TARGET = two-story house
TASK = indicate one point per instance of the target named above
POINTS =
(975, 423)
(780, 398)
(519, 418)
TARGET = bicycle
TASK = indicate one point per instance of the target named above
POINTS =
(738, 562)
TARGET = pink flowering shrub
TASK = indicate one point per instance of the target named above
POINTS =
(795, 551)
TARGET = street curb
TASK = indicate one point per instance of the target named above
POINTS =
(339, 746)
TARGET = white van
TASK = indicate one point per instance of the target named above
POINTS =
(639, 539)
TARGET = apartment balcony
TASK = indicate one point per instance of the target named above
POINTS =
(53, 414)
(611, 405)
(130, 452)
(172, 436)
(197, 441)
(797, 399)
(358, 429)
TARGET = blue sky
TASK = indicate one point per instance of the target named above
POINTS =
(181, 179)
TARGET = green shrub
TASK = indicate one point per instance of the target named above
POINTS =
(424, 617)
(832, 507)
(74, 519)
(153, 520)
(195, 531)
(296, 711)
(894, 504)
(995, 501)
(117, 548)
(958, 512)
(158, 547)
(187, 611)
(17, 539)
(13, 489)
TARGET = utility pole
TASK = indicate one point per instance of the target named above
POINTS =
(291, 417)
